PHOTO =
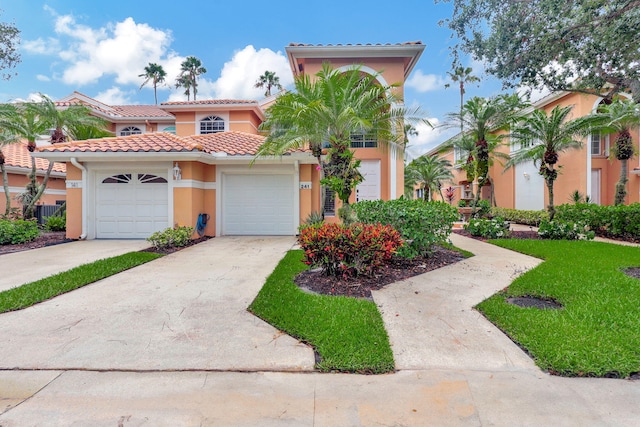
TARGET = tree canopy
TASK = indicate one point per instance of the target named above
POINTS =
(9, 55)
(576, 45)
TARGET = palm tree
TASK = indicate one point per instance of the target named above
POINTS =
(6, 138)
(483, 117)
(190, 69)
(269, 80)
(462, 75)
(183, 81)
(37, 118)
(327, 110)
(619, 117)
(153, 73)
(430, 172)
(544, 137)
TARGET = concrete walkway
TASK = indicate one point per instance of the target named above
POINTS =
(456, 369)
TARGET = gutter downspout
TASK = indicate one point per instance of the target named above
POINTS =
(80, 166)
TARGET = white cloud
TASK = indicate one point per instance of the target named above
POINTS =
(116, 96)
(40, 46)
(43, 78)
(32, 97)
(122, 49)
(425, 82)
(427, 138)
(238, 77)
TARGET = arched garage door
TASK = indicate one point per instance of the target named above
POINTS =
(258, 204)
(131, 205)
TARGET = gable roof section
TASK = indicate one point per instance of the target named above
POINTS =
(116, 112)
(17, 156)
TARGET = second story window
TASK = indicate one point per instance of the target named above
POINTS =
(130, 130)
(599, 144)
(211, 124)
(363, 140)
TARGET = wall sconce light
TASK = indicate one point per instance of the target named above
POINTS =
(177, 172)
(526, 176)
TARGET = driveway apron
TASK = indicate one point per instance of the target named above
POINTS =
(185, 311)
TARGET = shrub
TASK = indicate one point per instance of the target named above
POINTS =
(421, 224)
(462, 203)
(483, 208)
(520, 216)
(171, 237)
(56, 223)
(494, 228)
(18, 231)
(313, 218)
(622, 221)
(564, 230)
(359, 249)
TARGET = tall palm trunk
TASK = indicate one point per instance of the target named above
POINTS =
(550, 207)
(5, 185)
(621, 185)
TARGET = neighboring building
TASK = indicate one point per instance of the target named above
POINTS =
(134, 184)
(18, 166)
(587, 170)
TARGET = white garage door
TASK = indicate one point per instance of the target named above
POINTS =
(258, 205)
(131, 205)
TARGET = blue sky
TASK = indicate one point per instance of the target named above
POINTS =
(99, 48)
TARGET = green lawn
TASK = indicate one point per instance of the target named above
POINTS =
(348, 333)
(597, 333)
(52, 286)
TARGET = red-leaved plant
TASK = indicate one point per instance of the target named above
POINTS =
(349, 251)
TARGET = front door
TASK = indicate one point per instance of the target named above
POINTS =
(369, 188)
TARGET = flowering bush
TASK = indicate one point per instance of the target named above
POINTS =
(488, 228)
(359, 249)
(565, 230)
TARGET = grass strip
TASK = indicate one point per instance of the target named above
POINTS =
(41, 290)
(347, 333)
(596, 333)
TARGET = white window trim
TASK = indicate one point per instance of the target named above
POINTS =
(223, 115)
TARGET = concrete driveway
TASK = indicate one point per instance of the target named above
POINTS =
(185, 311)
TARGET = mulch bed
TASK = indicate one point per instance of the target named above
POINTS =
(45, 239)
(361, 287)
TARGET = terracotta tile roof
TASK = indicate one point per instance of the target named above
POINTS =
(16, 155)
(212, 102)
(233, 143)
(147, 142)
(122, 111)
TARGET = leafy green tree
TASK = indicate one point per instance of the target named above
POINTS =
(462, 75)
(155, 74)
(269, 80)
(543, 137)
(619, 117)
(430, 172)
(328, 109)
(585, 46)
(483, 117)
(190, 69)
(9, 41)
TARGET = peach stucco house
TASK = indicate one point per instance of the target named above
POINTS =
(169, 164)
(587, 170)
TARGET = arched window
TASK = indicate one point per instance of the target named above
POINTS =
(170, 129)
(211, 124)
(130, 130)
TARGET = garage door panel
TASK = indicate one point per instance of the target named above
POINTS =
(127, 207)
(258, 204)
